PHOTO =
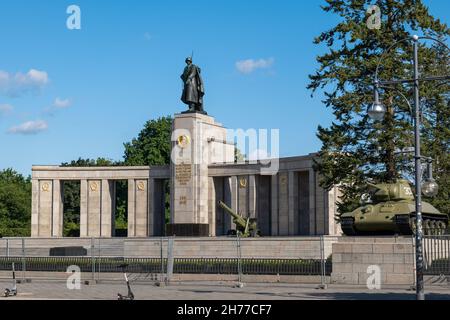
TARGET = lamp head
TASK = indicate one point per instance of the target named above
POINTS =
(430, 188)
(377, 111)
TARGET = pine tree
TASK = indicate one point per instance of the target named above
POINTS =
(436, 120)
(355, 149)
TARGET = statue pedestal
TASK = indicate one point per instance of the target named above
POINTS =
(197, 141)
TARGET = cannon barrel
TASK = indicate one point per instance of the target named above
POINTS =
(237, 218)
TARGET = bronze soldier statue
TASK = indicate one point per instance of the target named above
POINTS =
(193, 90)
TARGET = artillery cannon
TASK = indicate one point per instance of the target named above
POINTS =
(246, 227)
(390, 209)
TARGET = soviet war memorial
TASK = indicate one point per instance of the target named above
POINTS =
(226, 152)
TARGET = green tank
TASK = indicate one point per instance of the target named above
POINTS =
(389, 208)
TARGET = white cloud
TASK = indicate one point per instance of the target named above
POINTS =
(30, 127)
(250, 65)
(5, 109)
(39, 78)
(15, 85)
(62, 103)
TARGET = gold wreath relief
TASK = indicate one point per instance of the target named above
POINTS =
(141, 186)
(93, 186)
(243, 183)
(183, 141)
(46, 187)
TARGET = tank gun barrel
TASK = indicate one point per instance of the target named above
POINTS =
(373, 186)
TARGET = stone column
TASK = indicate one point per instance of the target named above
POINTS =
(94, 207)
(320, 208)
(212, 207)
(131, 208)
(252, 196)
(227, 221)
(243, 207)
(138, 210)
(312, 203)
(283, 204)
(293, 203)
(141, 208)
(42, 221)
(151, 207)
(107, 208)
(35, 208)
(57, 209)
(83, 208)
(274, 211)
(234, 198)
(45, 208)
(333, 198)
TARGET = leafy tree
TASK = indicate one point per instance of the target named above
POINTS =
(99, 162)
(15, 204)
(238, 156)
(356, 150)
(152, 146)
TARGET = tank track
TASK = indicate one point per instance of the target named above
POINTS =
(347, 226)
(431, 225)
(405, 225)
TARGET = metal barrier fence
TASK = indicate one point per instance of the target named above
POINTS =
(180, 265)
(436, 251)
(159, 259)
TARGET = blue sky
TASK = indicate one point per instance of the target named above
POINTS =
(83, 93)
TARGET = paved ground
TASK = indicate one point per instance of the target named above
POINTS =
(216, 291)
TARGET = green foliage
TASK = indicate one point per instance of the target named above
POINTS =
(71, 205)
(15, 200)
(152, 146)
(238, 156)
(99, 162)
(121, 219)
(356, 150)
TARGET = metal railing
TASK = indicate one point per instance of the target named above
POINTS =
(180, 265)
(159, 259)
(436, 249)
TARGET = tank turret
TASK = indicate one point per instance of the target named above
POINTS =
(390, 209)
(401, 190)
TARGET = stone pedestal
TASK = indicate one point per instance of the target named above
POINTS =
(356, 259)
(197, 141)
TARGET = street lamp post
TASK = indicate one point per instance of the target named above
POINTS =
(377, 112)
(420, 292)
